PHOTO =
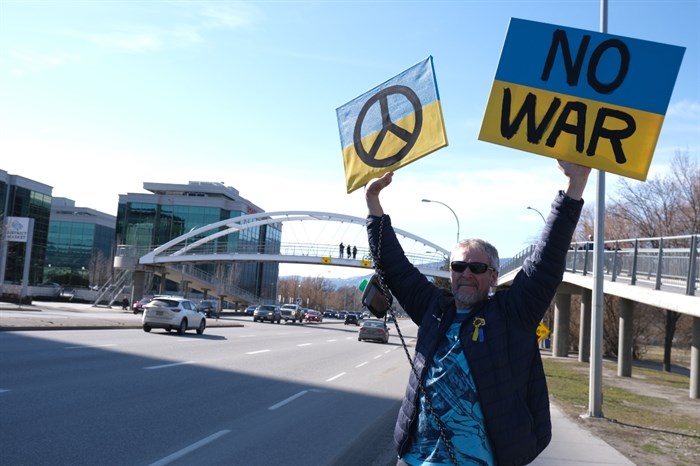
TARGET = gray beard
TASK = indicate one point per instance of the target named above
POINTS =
(466, 302)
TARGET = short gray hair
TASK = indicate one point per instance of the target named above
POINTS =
(479, 245)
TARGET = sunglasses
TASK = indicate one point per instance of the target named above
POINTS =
(474, 267)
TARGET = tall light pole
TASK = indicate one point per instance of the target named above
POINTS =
(532, 208)
(453, 213)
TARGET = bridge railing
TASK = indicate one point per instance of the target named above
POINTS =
(661, 262)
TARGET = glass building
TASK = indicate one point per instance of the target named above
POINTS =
(22, 197)
(80, 247)
(147, 220)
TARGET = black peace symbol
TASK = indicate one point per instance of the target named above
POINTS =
(369, 157)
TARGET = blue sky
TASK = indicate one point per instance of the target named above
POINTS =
(97, 98)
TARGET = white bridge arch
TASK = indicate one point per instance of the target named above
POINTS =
(199, 245)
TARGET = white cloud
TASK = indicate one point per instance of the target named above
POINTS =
(229, 15)
(133, 41)
(28, 61)
(684, 109)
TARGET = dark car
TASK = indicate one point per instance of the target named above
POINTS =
(209, 308)
(268, 312)
(250, 310)
(351, 318)
(375, 330)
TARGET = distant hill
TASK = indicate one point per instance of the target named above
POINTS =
(341, 282)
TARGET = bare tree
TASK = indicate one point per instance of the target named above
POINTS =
(663, 206)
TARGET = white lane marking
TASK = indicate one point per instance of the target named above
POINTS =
(336, 377)
(3, 390)
(258, 352)
(330, 341)
(89, 346)
(378, 356)
(163, 366)
(288, 400)
(361, 364)
(180, 453)
(304, 344)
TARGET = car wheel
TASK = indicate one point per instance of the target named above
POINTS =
(183, 327)
(202, 326)
(146, 328)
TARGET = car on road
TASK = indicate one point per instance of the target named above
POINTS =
(373, 329)
(250, 310)
(209, 307)
(292, 312)
(137, 307)
(267, 312)
(329, 314)
(352, 318)
(312, 315)
(173, 313)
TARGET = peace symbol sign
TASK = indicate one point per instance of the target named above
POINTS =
(370, 157)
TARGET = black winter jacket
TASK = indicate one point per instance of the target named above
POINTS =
(506, 366)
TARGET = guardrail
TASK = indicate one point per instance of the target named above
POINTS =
(670, 260)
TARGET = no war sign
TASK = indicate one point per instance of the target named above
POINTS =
(590, 98)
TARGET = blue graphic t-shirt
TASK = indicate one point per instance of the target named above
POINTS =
(452, 392)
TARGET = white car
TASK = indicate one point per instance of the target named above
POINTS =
(173, 313)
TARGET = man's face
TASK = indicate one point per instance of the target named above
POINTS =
(468, 287)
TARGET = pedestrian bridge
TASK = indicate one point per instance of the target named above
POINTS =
(315, 239)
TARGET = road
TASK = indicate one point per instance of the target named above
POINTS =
(258, 394)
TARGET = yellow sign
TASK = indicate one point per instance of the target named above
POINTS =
(542, 332)
(366, 263)
(326, 259)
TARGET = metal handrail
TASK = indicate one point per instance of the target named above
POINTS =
(662, 261)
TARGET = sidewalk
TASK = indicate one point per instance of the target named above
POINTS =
(44, 315)
(572, 445)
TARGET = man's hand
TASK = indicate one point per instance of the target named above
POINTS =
(578, 177)
(372, 190)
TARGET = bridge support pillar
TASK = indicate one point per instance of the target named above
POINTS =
(695, 360)
(584, 331)
(163, 280)
(624, 345)
(139, 279)
(185, 289)
(562, 317)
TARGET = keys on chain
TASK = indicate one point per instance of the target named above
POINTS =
(478, 334)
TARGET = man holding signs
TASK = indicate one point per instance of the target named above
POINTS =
(477, 393)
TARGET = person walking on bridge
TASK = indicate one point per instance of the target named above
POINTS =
(342, 249)
(480, 397)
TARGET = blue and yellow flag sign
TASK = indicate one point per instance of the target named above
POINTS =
(391, 126)
(590, 98)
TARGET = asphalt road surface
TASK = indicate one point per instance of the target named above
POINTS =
(259, 394)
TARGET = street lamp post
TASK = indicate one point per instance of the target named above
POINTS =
(453, 213)
(532, 208)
